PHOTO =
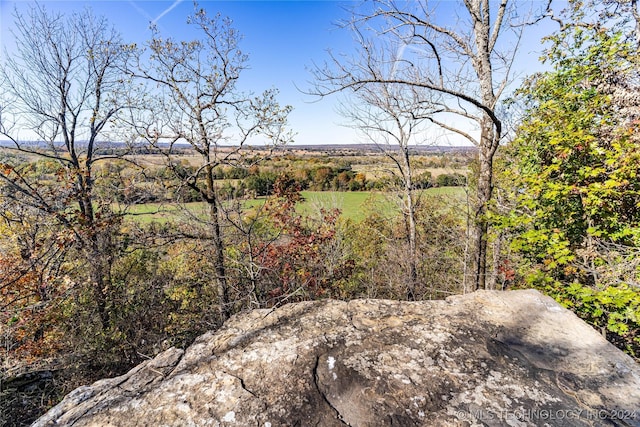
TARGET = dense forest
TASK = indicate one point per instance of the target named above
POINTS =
(111, 253)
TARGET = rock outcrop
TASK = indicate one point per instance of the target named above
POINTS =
(488, 358)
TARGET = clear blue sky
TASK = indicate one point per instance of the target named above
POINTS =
(283, 39)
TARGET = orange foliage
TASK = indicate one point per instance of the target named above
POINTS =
(296, 262)
(27, 320)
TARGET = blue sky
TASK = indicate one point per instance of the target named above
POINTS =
(283, 39)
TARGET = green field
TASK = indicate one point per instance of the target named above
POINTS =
(356, 204)
(353, 204)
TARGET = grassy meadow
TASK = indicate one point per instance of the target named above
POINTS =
(353, 205)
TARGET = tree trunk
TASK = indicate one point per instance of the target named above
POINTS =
(410, 220)
(99, 250)
(480, 223)
(218, 248)
(99, 264)
(496, 249)
(221, 275)
(411, 237)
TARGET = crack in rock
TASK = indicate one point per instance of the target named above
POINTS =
(316, 382)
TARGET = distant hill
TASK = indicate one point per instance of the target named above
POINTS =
(373, 148)
(343, 149)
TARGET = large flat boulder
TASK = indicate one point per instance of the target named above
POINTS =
(487, 358)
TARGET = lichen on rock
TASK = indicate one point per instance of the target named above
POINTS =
(488, 358)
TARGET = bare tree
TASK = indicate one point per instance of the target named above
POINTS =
(461, 55)
(63, 87)
(394, 117)
(195, 100)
